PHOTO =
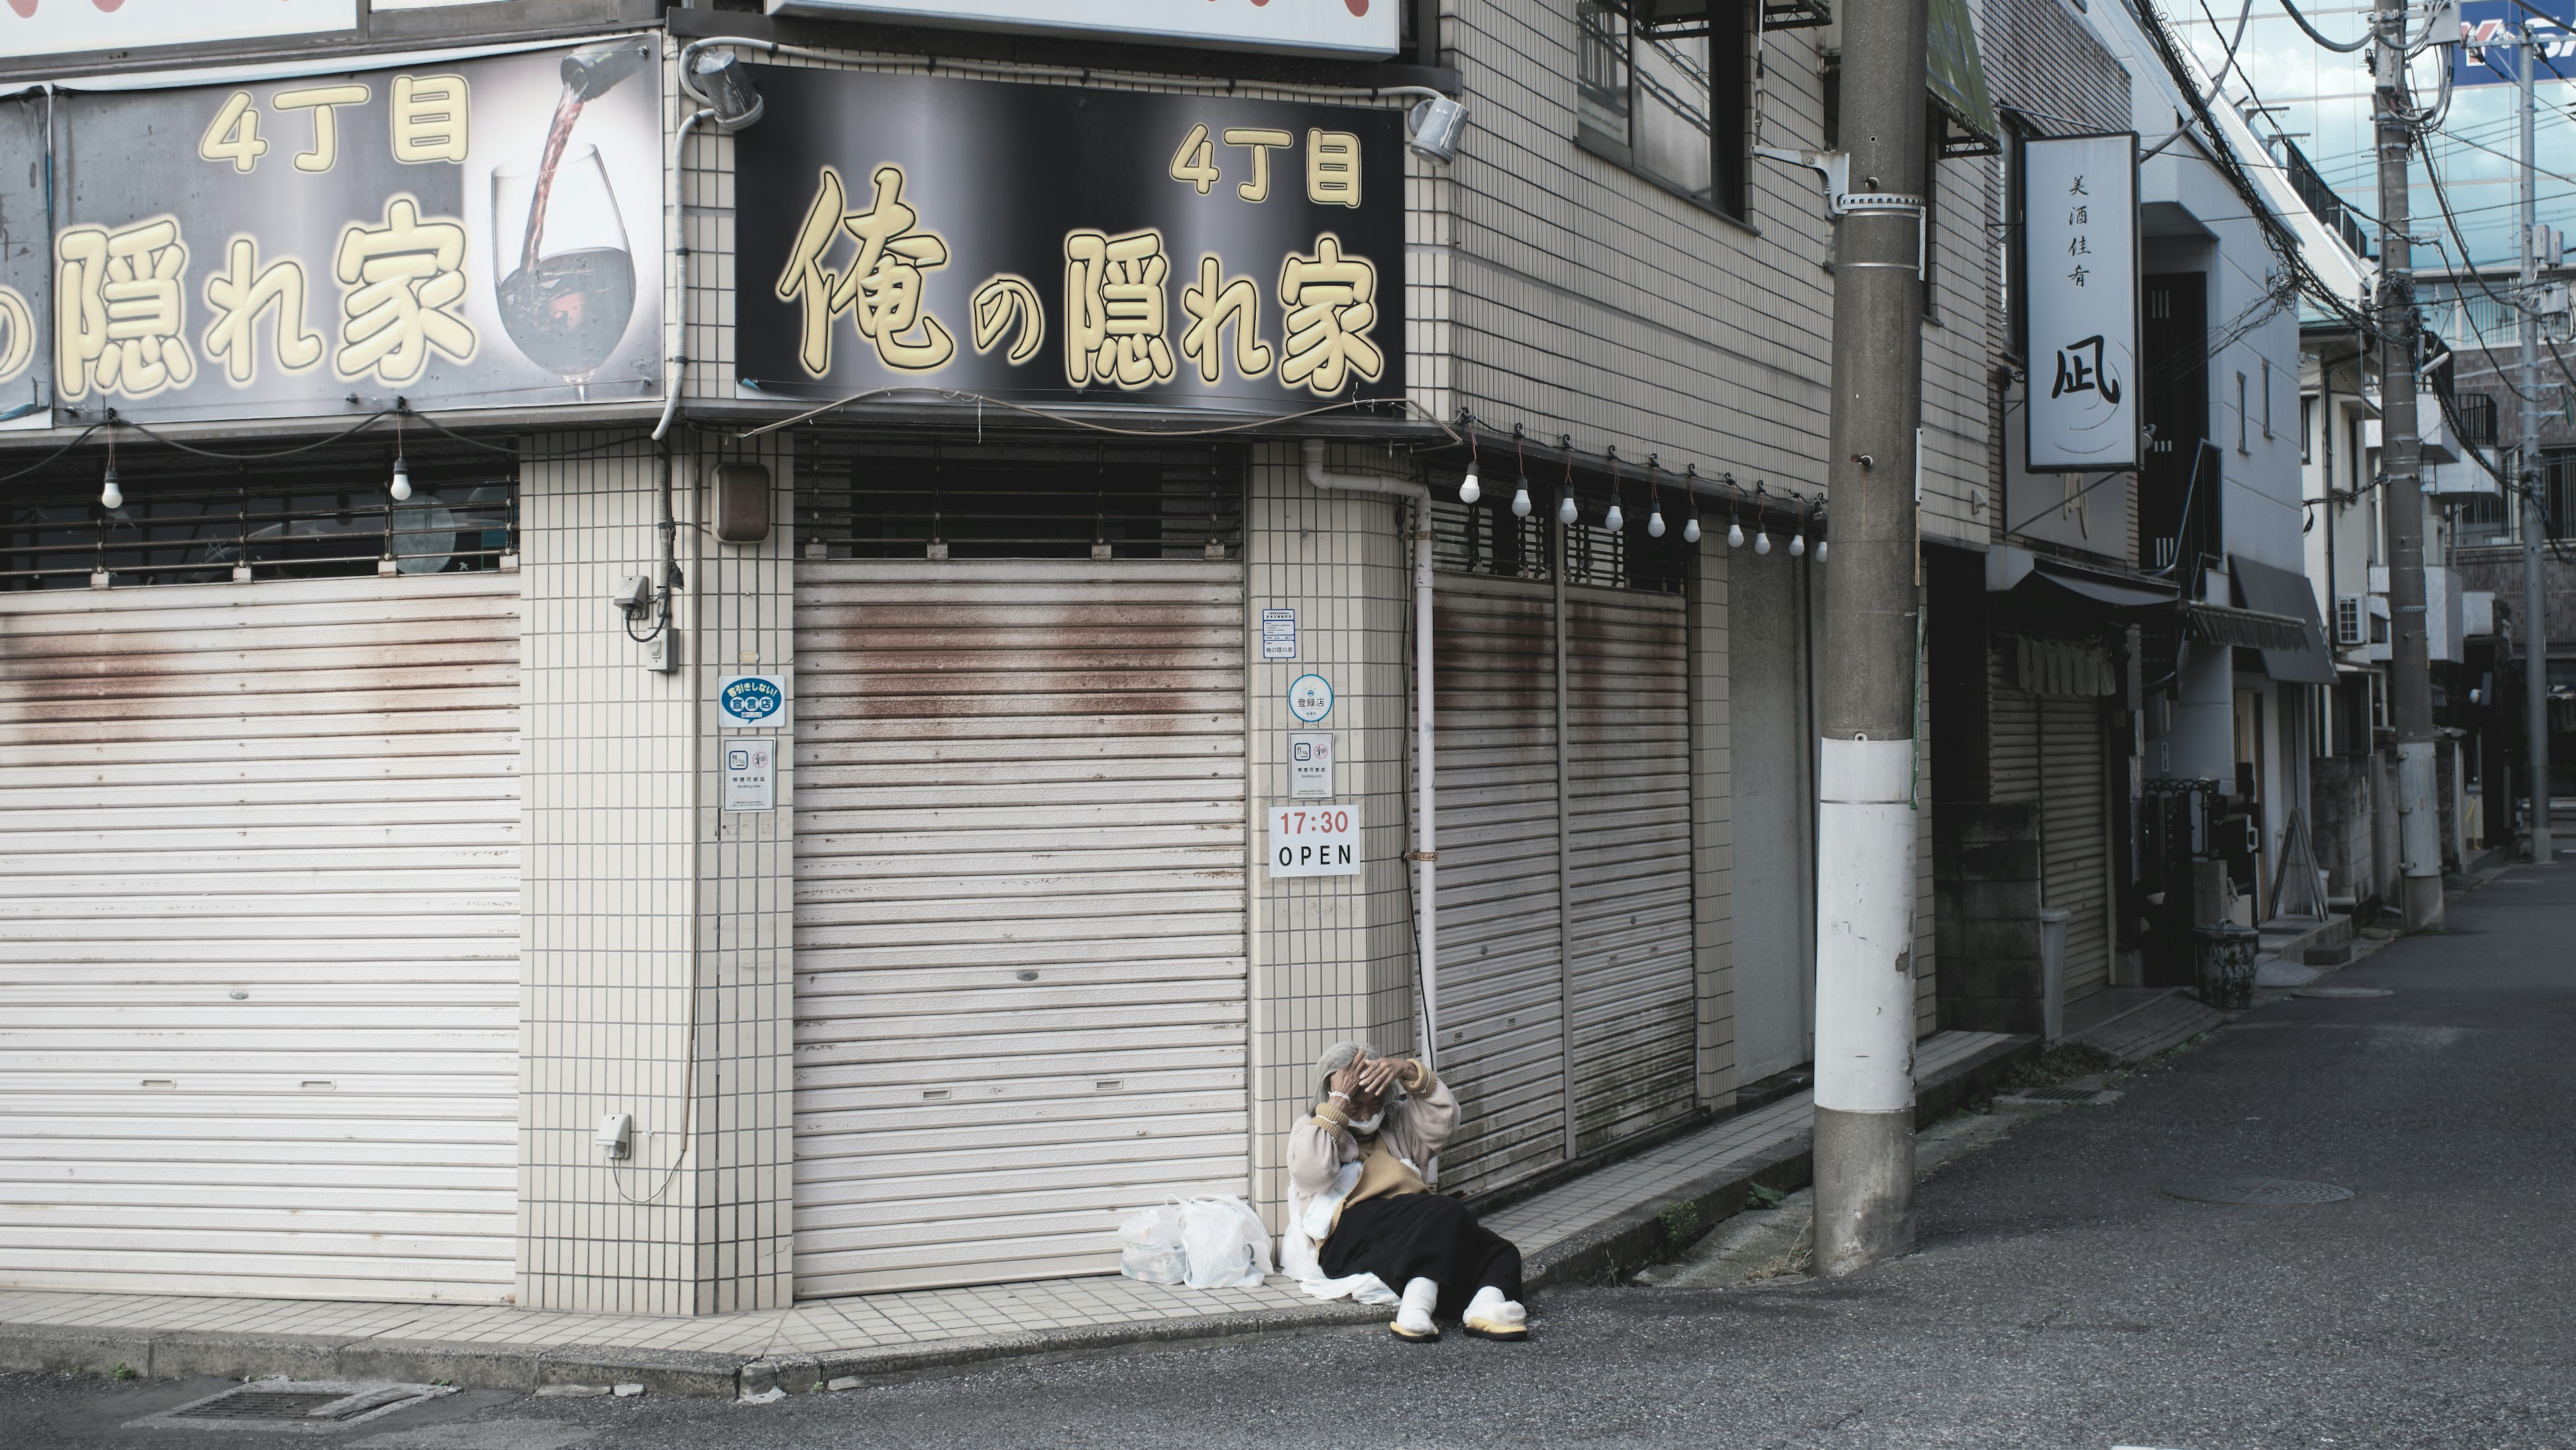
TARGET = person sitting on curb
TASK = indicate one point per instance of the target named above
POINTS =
(1357, 1188)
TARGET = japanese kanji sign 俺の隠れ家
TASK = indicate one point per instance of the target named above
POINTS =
(1054, 244)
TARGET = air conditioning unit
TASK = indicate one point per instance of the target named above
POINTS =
(2350, 630)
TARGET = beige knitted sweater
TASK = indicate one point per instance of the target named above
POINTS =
(1396, 1159)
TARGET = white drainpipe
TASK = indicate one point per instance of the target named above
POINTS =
(1425, 855)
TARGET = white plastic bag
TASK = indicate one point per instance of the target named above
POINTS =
(1150, 1248)
(1227, 1245)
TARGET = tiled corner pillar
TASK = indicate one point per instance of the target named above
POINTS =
(657, 972)
(1332, 956)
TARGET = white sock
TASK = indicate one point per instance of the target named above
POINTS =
(1414, 1317)
(1490, 1305)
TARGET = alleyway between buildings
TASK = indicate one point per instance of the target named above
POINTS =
(2060, 1298)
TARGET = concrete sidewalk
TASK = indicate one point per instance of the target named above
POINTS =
(1588, 1229)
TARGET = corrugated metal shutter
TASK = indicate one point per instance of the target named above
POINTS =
(1500, 1002)
(1021, 863)
(259, 923)
(1634, 1028)
(2074, 802)
(2012, 722)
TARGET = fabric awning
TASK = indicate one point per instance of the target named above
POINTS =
(2013, 569)
(2107, 589)
(2241, 628)
(2279, 592)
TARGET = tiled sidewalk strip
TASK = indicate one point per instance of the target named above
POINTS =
(1587, 1230)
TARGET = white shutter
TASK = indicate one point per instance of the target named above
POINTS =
(259, 915)
(1021, 862)
(2074, 801)
(1500, 998)
(1635, 1028)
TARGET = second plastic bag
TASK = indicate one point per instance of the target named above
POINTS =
(1227, 1245)
(1149, 1246)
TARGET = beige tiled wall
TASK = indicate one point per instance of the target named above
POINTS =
(1332, 957)
(655, 972)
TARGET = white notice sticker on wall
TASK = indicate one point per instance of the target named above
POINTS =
(1310, 764)
(1279, 634)
(750, 773)
(1314, 841)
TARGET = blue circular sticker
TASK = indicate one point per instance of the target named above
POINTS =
(1310, 698)
(751, 699)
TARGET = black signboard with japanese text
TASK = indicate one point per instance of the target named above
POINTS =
(457, 233)
(1049, 244)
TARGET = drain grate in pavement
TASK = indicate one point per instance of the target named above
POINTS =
(2342, 992)
(308, 1405)
(2260, 1192)
(259, 1404)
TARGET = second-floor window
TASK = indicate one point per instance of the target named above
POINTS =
(1669, 101)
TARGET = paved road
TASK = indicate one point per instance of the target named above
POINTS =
(2059, 1301)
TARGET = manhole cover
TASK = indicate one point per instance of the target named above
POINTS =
(2339, 992)
(307, 1405)
(2089, 1096)
(2257, 1191)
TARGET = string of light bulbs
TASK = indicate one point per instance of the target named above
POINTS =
(1807, 512)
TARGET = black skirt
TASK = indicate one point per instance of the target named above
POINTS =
(1423, 1236)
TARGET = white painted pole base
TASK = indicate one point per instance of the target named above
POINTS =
(2419, 836)
(1864, 1003)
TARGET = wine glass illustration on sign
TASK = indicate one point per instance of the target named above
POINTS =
(566, 269)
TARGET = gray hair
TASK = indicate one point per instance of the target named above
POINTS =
(1336, 1057)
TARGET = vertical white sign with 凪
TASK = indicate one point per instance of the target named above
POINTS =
(2080, 298)
(750, 773)
(1310, 764)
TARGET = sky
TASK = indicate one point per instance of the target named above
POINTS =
(2325, 106)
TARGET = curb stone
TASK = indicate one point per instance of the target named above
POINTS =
(1638, 1238)
(1600, 1254)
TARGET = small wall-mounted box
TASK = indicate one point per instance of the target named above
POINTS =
(741, 502)
(615, 1132)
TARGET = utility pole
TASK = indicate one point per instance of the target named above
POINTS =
(2535, 631)
(2410, 681)
(1864, 1123)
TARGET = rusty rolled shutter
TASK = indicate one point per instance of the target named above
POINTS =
(1634, 1029)
(259, 930)
(1501, 1027)
(1020, 877)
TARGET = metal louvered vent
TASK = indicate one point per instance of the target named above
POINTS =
(862, 497)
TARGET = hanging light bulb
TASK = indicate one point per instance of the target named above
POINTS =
(1614, 520)
(1566, 511)
(1690, 494)
(1690, 529)
(110, 497)
(1734, 534)
(1655, 519)
(1521, 499)
(1761, 540)
(1798, 545)
(1820, 550)
(1469, 490)
(402, 473)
